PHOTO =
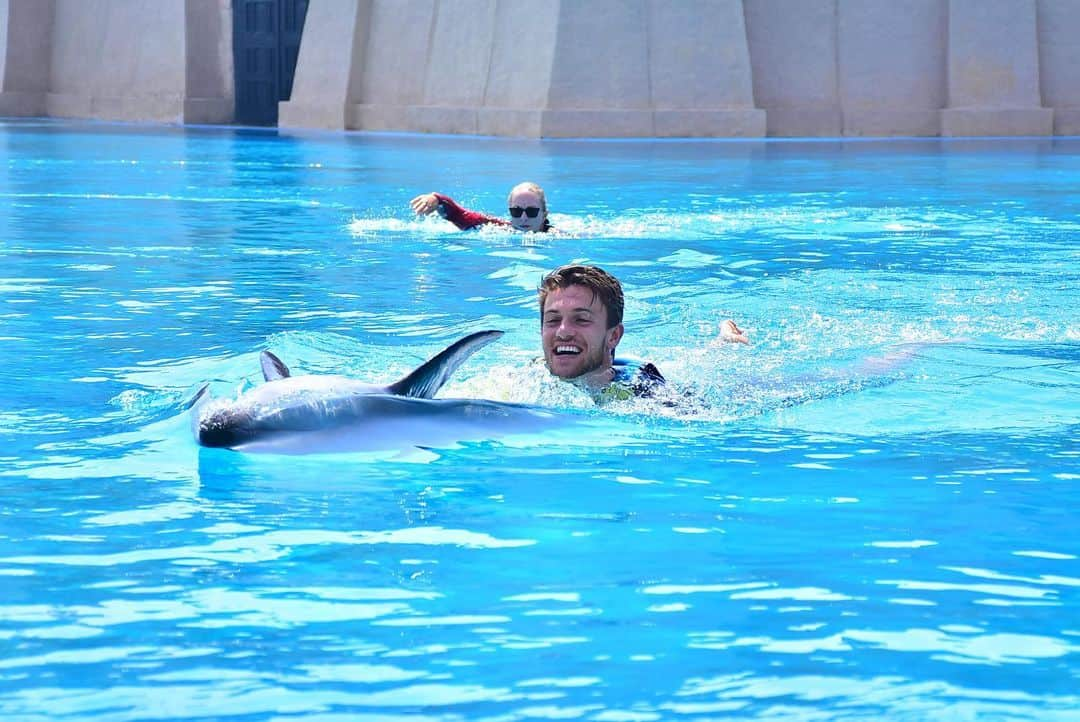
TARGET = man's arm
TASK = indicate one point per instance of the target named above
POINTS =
(449, 209)
(647, 380)
(732, 333)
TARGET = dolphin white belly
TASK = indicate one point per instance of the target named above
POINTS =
(376, 422)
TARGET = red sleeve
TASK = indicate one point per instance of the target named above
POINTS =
(463, 218)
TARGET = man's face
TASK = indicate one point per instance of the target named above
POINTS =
(574, 333)
(528, 202)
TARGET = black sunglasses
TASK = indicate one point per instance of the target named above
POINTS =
(531, 211)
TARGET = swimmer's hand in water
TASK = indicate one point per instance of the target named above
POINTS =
(731, 333)
(424, 204)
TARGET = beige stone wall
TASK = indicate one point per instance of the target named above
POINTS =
(5, 10)
(890, 66)
(208, 82)
(332, 65)
(993, 70)
(1059, 62)
(25, 27)
(558, 68)
(148, 60)
(793, 54)
(100, 68)
(527, 68)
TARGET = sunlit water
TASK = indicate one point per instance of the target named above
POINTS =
(868, 513)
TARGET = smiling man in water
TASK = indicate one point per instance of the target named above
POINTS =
(526, 204)
(581, 311)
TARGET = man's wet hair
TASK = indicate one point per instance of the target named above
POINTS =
(602, 284)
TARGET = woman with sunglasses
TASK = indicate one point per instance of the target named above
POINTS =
(527, 205)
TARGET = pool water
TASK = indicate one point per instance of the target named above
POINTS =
(867, 513)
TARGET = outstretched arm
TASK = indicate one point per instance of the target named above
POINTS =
(448, 208)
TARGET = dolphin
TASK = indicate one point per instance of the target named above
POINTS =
(329, 413)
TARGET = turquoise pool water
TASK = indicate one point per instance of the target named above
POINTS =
(868, 513)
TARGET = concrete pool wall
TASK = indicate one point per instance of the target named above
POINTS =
(140, 60)
(566, 68)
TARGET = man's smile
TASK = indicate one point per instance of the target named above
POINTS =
(567, 349)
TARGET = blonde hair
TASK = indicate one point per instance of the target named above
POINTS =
(533, 188)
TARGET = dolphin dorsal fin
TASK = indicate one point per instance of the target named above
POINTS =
(197, 398)
(194, 406)
(425, 381)
(273, 367)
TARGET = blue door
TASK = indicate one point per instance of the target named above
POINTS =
(266, 42)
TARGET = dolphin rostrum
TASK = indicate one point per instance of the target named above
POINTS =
(325, 413)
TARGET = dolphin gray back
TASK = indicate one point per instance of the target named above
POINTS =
(429, 377)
